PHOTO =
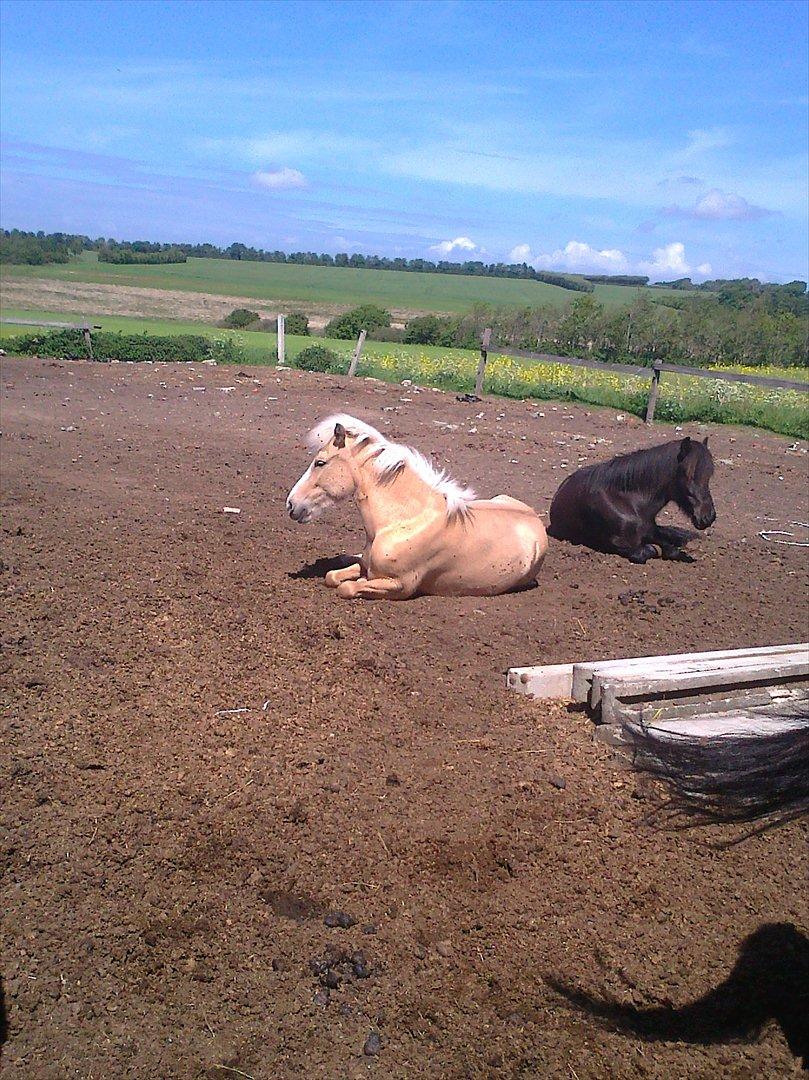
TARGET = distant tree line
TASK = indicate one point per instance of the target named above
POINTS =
(20, 247)
(36, 249)
(637, 280)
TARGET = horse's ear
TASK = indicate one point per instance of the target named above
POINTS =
(705, 441)
(685, 447)
(339, 436)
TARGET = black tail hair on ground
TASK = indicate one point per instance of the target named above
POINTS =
(729, 778)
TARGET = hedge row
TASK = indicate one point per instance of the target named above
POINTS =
(70, 345)
(127, 257)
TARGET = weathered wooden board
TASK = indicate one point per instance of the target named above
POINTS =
(643, 684)
(584, 674)
(550, 681)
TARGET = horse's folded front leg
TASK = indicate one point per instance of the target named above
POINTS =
(347, 573)
(643, 553)
(373, 589)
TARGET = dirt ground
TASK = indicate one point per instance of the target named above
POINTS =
(55, 295)
(206, 754)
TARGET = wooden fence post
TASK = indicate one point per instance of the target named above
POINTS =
(484, 355)
(654, 387)
(281, 341)
(355, 359)
(88, 341)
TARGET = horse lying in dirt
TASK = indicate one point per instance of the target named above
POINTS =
(425, 534)
(612, 506)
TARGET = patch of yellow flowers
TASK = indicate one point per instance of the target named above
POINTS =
(681, 398)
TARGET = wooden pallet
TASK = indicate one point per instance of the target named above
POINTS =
(723, 685)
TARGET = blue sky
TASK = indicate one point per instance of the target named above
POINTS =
(662, 138)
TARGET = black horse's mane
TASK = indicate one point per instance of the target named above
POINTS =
(642, 470)
(730, 778)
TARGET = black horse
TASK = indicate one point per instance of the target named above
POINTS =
(612, 507)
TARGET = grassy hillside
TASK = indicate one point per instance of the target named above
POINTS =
(287, 282)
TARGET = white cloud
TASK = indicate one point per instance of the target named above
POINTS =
(520, 253)
(279, 179)
(460, 243)
(671, 261)
(718, 205)
(580, 258)
(577, 257)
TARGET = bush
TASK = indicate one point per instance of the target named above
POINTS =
(70, 345)
(319, 358)
(129, 257)
(425, 330)
(297, 323)
(367, 317)
(387, 333)
(240, 318)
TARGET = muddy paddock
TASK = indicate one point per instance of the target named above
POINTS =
(207, 758)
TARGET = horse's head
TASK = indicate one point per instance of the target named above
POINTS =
(331, 477)
(694, 472)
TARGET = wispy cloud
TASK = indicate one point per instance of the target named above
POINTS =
(705, 140)
(297, 144)
(280, 179)
(717, 205)
(460, 243)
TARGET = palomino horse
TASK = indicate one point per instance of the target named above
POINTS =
(612, 506)
(425, 534)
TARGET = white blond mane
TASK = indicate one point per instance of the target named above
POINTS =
(393, 457)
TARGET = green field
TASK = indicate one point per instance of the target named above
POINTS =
(258, 347)
(344, 286)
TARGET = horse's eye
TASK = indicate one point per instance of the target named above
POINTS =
(319, 464)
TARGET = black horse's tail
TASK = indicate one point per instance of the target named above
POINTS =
(730, 778)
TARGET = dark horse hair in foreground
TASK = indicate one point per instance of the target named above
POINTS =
(612, 506)
(730, 778)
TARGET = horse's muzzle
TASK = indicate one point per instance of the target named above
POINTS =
(706, 520)
(297, 513)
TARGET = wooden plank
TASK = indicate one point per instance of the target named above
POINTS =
(721, 725)
(745, 698)
(282, 347)
(56, 325)
(572, 361)
(700, 672)
(484, 353)
(640, 686)
(740, 722)
(549, 681)
(583, 673)
(355, 359)
(736, 376)
(654, 389)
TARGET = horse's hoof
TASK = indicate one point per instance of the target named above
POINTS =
(330, 581)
